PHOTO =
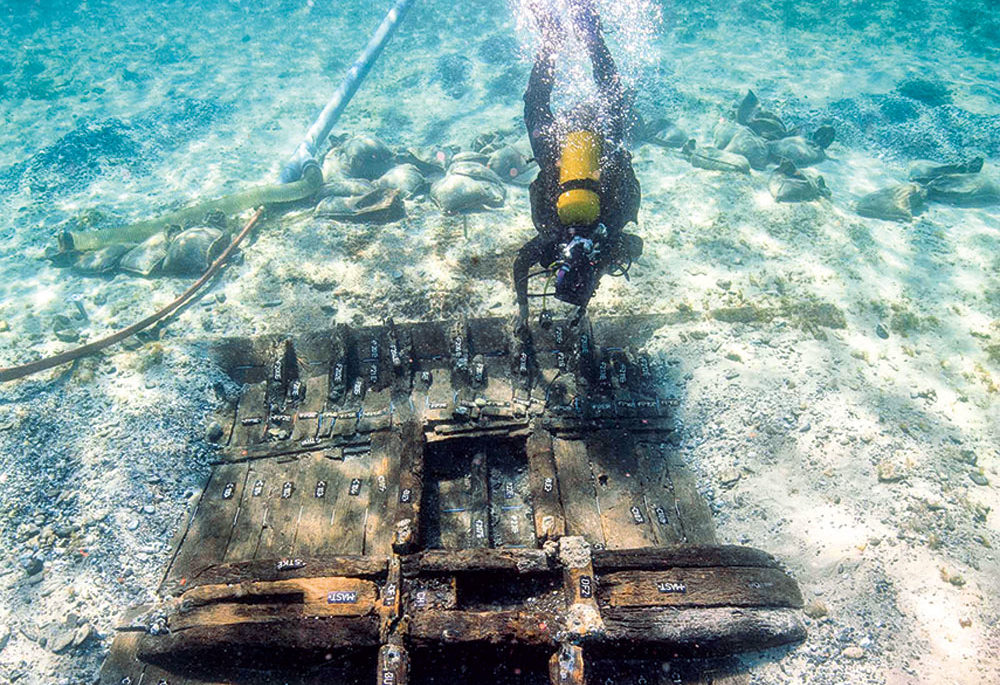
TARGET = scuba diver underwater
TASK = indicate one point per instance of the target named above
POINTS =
(586, 191)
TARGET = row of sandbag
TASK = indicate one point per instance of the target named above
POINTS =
(960, 184)
(752, 137)
(367, 181)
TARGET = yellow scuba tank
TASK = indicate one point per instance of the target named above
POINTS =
(579, 179)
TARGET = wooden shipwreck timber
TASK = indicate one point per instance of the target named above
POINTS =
(442, 503)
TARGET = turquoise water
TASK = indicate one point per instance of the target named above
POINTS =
(818, 349)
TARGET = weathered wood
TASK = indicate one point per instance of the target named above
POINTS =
(704, 587)
(511, 518)
(249, 521)
(521, 561)
(566, 667)
(321, 482)
(406, 535)
(390, 600)
(704, 556)
(260, 645)
(624, 518)
(661, 507)
(701, 631)
(207, 537)
(386, 456)
(121, 662)
(272, 602)
(351, 506)
(550, 522)
(285, 497)
(433, 628)
(306, 418)
(251, 417)
(696, 517)
(393, 665)
(576, 490)
(290, 567)
(622, 669)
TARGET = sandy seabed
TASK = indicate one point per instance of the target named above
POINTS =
(868, 464)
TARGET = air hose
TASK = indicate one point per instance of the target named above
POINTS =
(301, 178)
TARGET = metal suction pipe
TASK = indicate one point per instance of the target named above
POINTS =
(305, 153)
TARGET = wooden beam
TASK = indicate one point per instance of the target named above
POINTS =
(701, 587)
(566, 667)
(658, 558)
(550, 521)
(519, 561)
(511, 627)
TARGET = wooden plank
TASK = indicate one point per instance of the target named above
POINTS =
(519, 561)
(411, 484)
(121, 662)
(321, 480)
(306, 418)
(701, 631)
(211, 527)
(283, 644)
(393, 665)
(576, 489)
(511, 516)
(385, 458)
(286, 568)
(251, 417)
(260, 487)
(566, 667)
(702, 556)
(701, 587)
(621, 670)
(351, 506)
(287, 495)
(696, 517)
(661, 507)
(529, 628)
(550, 521)
(624, 516)
(276, 601)
(462, 508)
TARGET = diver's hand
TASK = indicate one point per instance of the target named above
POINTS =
(586, 20)
(553, 33)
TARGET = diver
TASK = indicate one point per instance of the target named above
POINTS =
(586, 191)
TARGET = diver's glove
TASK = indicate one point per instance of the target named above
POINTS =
(586, 20)
(553, 33)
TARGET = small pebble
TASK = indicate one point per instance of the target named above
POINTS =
(815, 609)
(888, 473)
(4, 326)
(729, 477)
(133, 524)
(978, 478)
(148, 509)
(853, 652)
(214, 432)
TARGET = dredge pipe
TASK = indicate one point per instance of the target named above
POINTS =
(305, 154)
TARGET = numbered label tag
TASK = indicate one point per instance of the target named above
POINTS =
(258, 488)
(389, 595)
(508, 490)
(480, 529)
(383, 484)
(405, 495)
(320, 489)
(637, 515)
(287, 489)
(548, 485)
(342, 597)
(227, 492)
(669, 588)
(355, 488)
(586, 587)
(661, 515)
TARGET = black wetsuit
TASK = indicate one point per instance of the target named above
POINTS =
(619, 189)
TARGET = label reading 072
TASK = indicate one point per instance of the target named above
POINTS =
(586, 587)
